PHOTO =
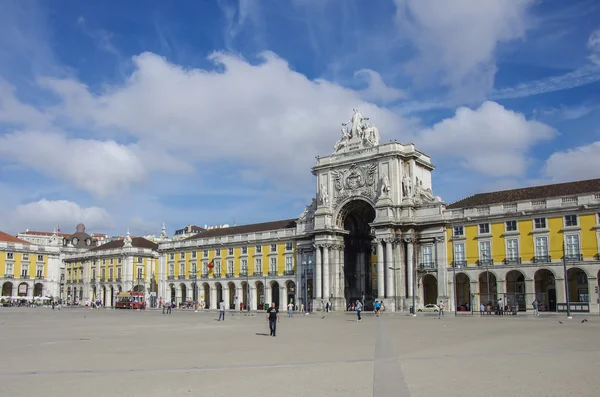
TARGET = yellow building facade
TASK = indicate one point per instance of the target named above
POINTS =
(514, 252)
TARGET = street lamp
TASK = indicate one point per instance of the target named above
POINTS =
(566, 282)
(394, 269)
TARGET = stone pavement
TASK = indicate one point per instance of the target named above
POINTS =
(75, 352)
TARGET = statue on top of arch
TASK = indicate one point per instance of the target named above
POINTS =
(357, 130)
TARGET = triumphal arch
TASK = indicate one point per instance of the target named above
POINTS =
(374, 228)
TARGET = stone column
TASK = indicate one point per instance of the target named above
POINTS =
(252, 298)
(389, 263)
(401, 274)
(326, 289)
(283, 297)
(410, 263)
(380, 270)
(341, 278)
(318, 267)
(268, 295)
(213, 298)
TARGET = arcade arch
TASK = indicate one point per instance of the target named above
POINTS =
(545, 289)
(430, 289)
(488, 288)
(515, 290)
(578, 285)
(463, 292)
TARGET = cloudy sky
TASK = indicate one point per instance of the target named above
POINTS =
(130, 114)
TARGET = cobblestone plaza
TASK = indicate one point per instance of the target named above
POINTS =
(145, 353)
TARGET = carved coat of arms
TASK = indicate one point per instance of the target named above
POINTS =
(355, 181)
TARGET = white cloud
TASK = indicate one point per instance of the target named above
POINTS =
(582, 162)
(593, 45)
(102, 168)
(457, 39)
(377, 90)
(46, 215)
(490, 140)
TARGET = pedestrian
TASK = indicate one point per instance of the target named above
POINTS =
(377, 307)
(535, 307)
(169, 307)
(290, 309)
(441, 312)
(272, 318)
(221, 310)
(358, 308)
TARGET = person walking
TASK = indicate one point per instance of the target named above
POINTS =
(169, 304)
(358, 309)
(273, 318)
(441, 312)
(290, 309)
(535, 307)
(222, 310)
(377, 307)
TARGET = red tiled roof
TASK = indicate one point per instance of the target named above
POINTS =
(529, 193)
(11, 239)
(242, 229)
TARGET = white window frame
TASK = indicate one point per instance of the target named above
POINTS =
(204, 268)
(487, 255)
(273, 248)
(510, 249)
(182, 269)
(40, 270)
(569, 245)
(9, 269)
(230, 267)
(289, 246)
(259, 249)
(194, 254)
(10, 256)
(244, 266)
(230, 251)
(258, 265)
(289, 264)
(171, 270)
(536, 246)
(485, 226)
(427, 255)
(244, 250)
(217, 252)
(459, 254)
(205, 253)
(570, 215)
(461, 228)
(510, 221)
(25, 257)
(273, 265)
(217, 268)
(541, 227)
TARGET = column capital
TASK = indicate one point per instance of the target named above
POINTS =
(438, 239)
(409, 239)
(389, 240)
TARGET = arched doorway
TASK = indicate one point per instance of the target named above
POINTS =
(219, 289)
(578, 285)
(94, 293)
(232, 301)
(173, 292)
(205, 296)
(103, 296)
(488, 288)
(183, 289)
(138, 288)
(290, 287)
(545, 290)
(515, 290)
(112, 295)
(463, 292)
(355, 217)
(38, 289)
(74, 297)
(430, 289)
(245, 298)
(260, 295)
(7, 288)
(275, 293)
(23, 289)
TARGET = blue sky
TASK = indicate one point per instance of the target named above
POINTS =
(130, 114)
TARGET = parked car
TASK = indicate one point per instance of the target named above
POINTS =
(431, 308)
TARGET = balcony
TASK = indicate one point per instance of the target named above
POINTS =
(485, 262)
(24, 277)
(204, 275)
(542, 259)
(110, 279)
(39, 277)
(512, 261)
(181, 277)
(427, 266)
(574, 258)
(244, 273)
(171, 277)
(102, 279)
(288, 273)
(257, 274)
(229, 275)
(80, 280)
(118, 279)
(9, 276)
(93, 280)
(273, 273)
(217, 275)
(459, 263)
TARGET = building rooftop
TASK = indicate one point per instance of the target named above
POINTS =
(529, 193)
(11, 239)
(137, 242)
(243, 229)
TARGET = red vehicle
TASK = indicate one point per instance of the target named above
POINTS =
(130, 300)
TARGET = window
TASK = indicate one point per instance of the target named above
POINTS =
(182, 256)
(120, 261)
(289, 267)
(193, 254)
(40, 271)
(140, 260)
(289, 246)
(172, 256)
(273, 265)
(103, 274)
(118, 273)
(539, 223)
(24, 271)
(25, 257)
(512, 249)
(204, 268)
(572, 245)
(541, 246)
(484, 228)
(9, 269)
(244, 250)
(205, 253)
(218, 268)
(459, 254)
(570, 220)
(9, 255)
(428, 256)
(244, 266)
(230, 267)
(258, 249)
(93, 274)
(111, 273)
(273, 247)
(171, 270)
(104, 261)
(218, 252)
(485, 252)
(112, 261)
(511, 226)
(258, 266)
(230, 251)
(182, 270)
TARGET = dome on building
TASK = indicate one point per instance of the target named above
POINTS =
(80, 228)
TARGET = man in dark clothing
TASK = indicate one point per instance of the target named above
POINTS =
(272, 318)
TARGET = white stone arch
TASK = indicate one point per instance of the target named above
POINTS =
(343, 208)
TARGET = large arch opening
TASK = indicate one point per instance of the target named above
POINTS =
(275, 293)
(545, 290)
(219, 289)
(38, 289)
(488, 288)
(290, 287)
(7, 289)
(183, 290)
(430, 289)
(355, 217)
(578, 285)
(232, 296)
(23, 289)
(515, 290)
(205, 295)
(260, 295)
(463, 292)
